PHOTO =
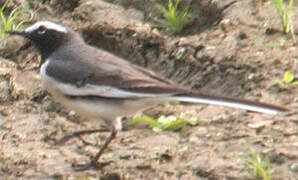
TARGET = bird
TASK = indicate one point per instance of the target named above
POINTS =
(100, 85)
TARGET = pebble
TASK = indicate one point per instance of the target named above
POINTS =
(294, 167)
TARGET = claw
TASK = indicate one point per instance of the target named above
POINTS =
(91, 165)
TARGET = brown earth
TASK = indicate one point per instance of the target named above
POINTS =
(236, 50)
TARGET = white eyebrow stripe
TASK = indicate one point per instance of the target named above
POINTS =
(48, 25)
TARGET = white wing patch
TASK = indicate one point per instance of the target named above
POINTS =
(48, 25)
(102, 91)
(88, 90)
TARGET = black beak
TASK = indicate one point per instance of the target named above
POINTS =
(20, 33)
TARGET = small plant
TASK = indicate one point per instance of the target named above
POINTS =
(174, 20)
(257, 166)
(288, 80)
(285, 13)
(12, 22)
(164, 123)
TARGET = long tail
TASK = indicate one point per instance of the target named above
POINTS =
(230, 102)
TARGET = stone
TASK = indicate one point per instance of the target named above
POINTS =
(25, 84)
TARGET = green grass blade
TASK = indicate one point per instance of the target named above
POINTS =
(4, 6)
(284, 13)
(174, 20)
(25, 20)
(3, 16)
(290, 6)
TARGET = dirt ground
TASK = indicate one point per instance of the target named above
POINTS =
(236, 50)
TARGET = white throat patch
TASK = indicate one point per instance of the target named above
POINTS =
(48, 25)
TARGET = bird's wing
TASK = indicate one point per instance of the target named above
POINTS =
(107, 76)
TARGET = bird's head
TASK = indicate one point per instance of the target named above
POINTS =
(46, 35)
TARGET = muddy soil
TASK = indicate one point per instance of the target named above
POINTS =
(234, 49)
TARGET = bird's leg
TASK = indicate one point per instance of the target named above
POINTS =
(78, 133)
(94, 161)
(117, 125)
(107, 142)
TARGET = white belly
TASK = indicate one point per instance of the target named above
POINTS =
(108, 109)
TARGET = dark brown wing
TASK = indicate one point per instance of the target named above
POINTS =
(101, 68)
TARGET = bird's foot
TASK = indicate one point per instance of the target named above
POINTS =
(90, 165)
(66, 138)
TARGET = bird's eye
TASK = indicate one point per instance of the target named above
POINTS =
(41, 30)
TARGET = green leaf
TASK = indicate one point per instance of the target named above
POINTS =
(288, 77)
(295, 83)
(166, 119)
(169, 122)
(173, 124)
(153, 122)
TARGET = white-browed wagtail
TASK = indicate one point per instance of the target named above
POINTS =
(98, 84)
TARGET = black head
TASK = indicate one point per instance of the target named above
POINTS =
(46, 35)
